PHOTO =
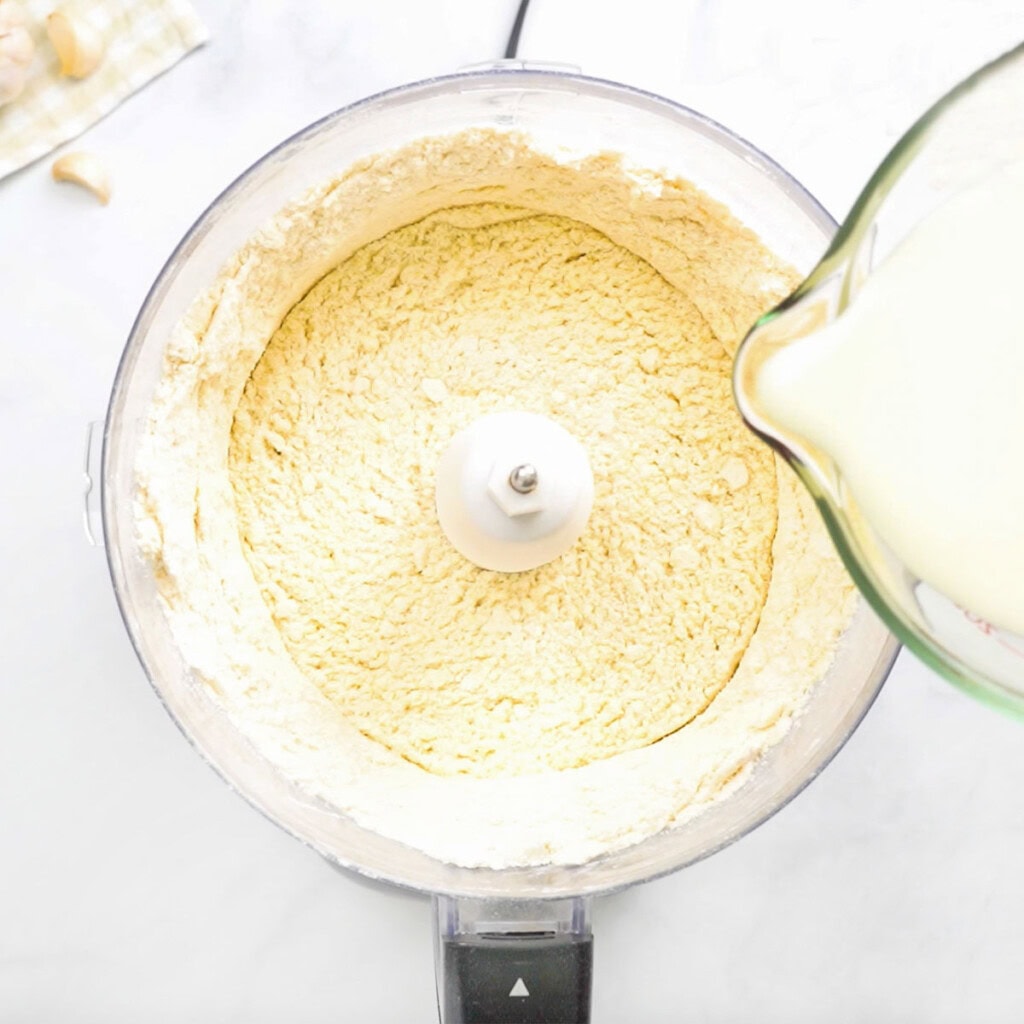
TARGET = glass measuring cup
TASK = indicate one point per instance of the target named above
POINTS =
(963, 139)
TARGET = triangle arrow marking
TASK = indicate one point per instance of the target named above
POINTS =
(519, 989)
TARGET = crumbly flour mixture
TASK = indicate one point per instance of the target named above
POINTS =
(286, 489)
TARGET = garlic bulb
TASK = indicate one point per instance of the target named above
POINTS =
(16, 50)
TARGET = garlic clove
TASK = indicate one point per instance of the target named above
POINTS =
(86, 170)
(79, 46)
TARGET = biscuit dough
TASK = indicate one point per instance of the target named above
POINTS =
(285, 501)
(335, 443)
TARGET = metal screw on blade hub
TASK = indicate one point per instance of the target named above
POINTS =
(523, 479)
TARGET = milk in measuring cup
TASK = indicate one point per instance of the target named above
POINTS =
(917, 393)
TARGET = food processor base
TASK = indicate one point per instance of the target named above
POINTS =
(513, 961)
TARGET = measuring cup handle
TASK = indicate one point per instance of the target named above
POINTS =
(513, 961)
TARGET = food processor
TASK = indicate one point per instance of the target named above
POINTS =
(967, 136)
(513, 944)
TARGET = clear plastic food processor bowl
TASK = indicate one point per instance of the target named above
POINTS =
(967, 135)
(553, 107)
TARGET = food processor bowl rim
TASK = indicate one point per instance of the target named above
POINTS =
(519, 876)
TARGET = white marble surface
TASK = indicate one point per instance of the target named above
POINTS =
(135, 887)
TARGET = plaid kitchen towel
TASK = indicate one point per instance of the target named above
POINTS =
(143, 37)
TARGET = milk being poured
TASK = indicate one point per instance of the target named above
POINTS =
(917, 394)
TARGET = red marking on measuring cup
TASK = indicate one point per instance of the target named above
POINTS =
(995, 632)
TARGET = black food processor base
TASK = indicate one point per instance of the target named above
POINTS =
(512, 962)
